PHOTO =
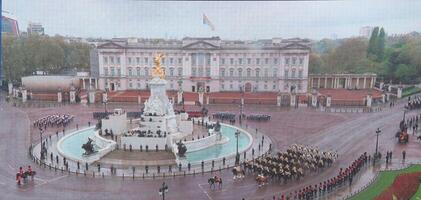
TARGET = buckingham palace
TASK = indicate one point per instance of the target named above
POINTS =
(208, 64)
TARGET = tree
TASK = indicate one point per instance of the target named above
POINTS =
(372, 42)
(380, 43)
(22, 56)
(406, 73)
(315, 64)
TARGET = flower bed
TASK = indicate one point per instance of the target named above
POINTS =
(404, 187)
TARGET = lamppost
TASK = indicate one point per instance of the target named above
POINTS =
(241, 104)
(162, 190)
(237, 156)
(105, 101)
(41, 148)
(378, 131)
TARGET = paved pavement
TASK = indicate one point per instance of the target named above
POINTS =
(349, 133)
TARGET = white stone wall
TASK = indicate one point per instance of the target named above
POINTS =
(150, 141)
(117, 123)
(216, 57)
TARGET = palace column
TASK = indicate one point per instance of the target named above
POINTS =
(365, 82)
(358, 83)
(90, 83)
(325, 86)
(318, 83)
(332, 82)
(312, 82)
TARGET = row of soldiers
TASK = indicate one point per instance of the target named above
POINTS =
(414, 103)
(53, 120)
(329, 185)
(259, 117)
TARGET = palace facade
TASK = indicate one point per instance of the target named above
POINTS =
(208, 64)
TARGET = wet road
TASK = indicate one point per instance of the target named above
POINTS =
(350, 134)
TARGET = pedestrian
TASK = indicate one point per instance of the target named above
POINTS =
(387, 158)
(403, 155)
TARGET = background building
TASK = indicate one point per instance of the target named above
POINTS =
(35, 28)
(366, 31)
(211, 64)
(9, 24)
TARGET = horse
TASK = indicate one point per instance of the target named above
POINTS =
(213, 180)
(261, 180)
(238, 172)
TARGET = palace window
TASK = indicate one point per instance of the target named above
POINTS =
(275, 61)
(266, 61)
(208, 72)
(138, 60)
(223, 61)
(118, 72)
(257, 72)
(248, 61)
(138, 85)
(130, 71)
(275, 72)
(146, 72)
(231, 86)
(180, 61)
(163, 61)
(257, 61)
(193, 71)
(300, 74)
(112, 71)
(274, 86)
(266, 72)
(301, 60)
(286, 73)
(180, 71)
(294, 59)
(129, 60)
(265, 86)
(171, 60)
(171, 71)
(231, 72)
(299, 86)
(222, 72)
(105, 60)
(118, 60)
(146, 61)
(286, 61)
(105, 71)
(130, 84)
(138, 71)
(209, 61)
(222, 86)
(112, 59)
(293, 73)
(248, 72)
(240, 61)
(231, 61)
(240, 72)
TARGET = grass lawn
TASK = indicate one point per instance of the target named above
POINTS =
(384, 180)
(417, 196)
(410, 90)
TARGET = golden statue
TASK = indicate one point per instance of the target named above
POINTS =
(158, 71)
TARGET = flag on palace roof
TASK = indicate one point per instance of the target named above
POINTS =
(206, 21)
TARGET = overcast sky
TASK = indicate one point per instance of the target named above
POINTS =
(232, 20)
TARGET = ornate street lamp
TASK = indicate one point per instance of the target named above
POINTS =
(162, 190)
(378, 131)
(237, 155)
(41, 148)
